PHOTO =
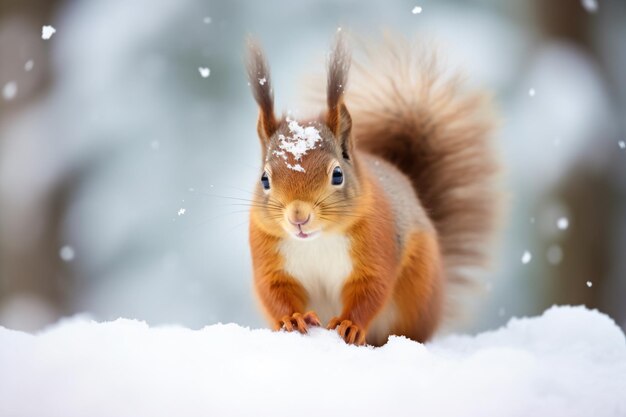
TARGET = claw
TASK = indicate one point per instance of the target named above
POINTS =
(311, 319)
(285, 323)
(299, 322)
(333, 323)
(349, 332)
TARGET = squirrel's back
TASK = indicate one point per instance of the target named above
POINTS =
(437, 132)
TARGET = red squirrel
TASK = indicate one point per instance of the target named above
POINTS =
(366, 217)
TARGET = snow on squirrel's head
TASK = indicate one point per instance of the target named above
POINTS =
(309, 182)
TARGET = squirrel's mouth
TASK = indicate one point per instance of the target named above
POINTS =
(301, 234)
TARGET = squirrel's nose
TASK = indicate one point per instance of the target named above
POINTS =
(298, 213)
(299, 221)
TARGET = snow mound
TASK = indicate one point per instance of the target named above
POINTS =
(568, 362)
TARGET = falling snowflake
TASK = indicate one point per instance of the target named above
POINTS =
(29, 65)
(67, 253)
(207, 20)
(47, 32)
(589, 284)
(181, 211)
(262, 81)
(9, 91)
(204, 72)
(590, 5)
(622, 144)
(416, 10)
(531, 92)
(526, 257)
(562, 223)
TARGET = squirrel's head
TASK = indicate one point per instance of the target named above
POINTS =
(309, 181)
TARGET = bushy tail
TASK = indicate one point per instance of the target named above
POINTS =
(406, 109)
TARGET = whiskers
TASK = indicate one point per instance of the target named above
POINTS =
(265, 203)
(331, 209)
(239, 208)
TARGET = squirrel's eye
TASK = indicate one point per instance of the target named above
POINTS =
(265, 181)
(337, 176)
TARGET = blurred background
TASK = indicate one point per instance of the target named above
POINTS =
(124, 136)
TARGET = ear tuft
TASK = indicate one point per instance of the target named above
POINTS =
(260, 82)
(338, 68)
(338, 118)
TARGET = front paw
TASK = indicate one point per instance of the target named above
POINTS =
(349, 332)
(299, 322)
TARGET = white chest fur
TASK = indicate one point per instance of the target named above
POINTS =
(322, 266)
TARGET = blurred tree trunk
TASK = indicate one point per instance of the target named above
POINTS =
(594, 195)
(32, 289)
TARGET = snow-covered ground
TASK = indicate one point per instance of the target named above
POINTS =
(568, 362)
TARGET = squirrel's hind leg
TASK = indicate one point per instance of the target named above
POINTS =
(418, 295)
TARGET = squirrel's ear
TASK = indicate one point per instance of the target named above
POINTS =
(341, 124)
(259, 79)
(338, 118)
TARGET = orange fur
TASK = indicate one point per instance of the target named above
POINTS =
(408, 219)
(280, 294)
(419, 291)
(375, 255)
(426, 122)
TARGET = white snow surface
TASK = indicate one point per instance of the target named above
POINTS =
(569, 362)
